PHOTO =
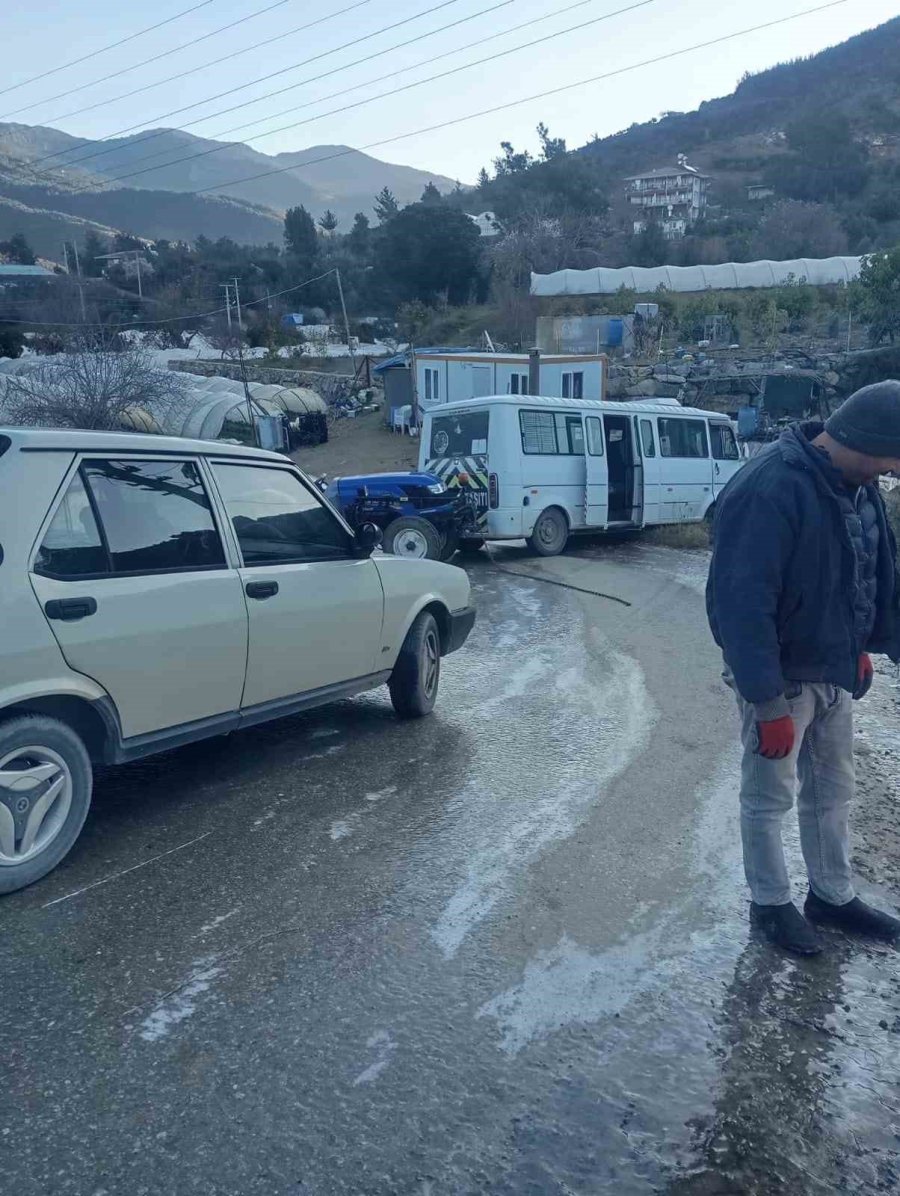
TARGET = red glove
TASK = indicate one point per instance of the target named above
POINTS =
(776, 738)
(865, 673)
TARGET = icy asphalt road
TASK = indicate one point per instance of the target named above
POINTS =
(500, 951)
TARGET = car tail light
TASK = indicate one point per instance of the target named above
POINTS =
(494, 491)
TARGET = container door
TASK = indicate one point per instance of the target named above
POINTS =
(481, 381)
(596, 490)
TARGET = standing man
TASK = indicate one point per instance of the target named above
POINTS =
(801, 588)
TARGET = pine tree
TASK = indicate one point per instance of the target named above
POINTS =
(300, 238)
(386, 205)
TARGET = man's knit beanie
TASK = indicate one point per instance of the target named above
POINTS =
(869, 421)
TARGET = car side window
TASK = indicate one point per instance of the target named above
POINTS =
(155, 516)
(278, 520)
(72, 545)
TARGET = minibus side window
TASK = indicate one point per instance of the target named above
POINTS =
(724, 445)
(647, 438)
(538, 433)
(682, 438)
(594, 436)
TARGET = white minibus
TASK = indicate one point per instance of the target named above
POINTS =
(544, 468)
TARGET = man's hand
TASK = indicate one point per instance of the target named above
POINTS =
(865, 673)
(776, 738)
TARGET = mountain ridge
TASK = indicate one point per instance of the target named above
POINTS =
(39, 168)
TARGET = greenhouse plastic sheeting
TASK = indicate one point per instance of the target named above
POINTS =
(726, 277)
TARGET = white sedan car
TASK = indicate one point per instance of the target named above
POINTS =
(158, 591)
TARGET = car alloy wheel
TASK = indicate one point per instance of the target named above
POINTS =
(35, 799)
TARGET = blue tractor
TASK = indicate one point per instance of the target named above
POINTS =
(418, 515)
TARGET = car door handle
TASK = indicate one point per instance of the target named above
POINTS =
(261, 589)
(70, 609)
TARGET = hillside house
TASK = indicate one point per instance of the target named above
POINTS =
(487, 224)
(673, 197)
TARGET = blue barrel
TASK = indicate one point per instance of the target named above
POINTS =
(615, 331)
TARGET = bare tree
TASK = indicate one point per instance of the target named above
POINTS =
(92, 387)
(225, 338)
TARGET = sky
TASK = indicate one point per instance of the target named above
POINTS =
(315, 62)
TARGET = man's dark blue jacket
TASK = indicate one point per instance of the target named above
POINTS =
(782, 582)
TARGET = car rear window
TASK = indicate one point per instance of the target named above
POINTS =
(72, 545)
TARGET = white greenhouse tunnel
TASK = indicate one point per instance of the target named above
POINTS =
(200, 408)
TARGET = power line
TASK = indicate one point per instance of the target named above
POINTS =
(541, 95)
(204, 66)
(200, 315)
(403, 70)
(525, 99)
(263, 78)
(153, 136)
(382, 95)
(103, 50)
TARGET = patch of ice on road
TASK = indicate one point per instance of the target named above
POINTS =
(381, 794)
(527, 597)
(568, 984)
(344, 827)
(601, 717)
(384, 1045)
(178, 1005)
(218, 920)
(332, 751)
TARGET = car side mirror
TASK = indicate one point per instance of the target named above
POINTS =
(368, 537)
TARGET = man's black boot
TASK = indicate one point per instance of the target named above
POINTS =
(786, 927)
(855, 917)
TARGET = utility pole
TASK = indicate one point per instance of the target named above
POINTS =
(337, 274)
(77, 262)
(247, 393)
(226, 287)
(137, 258)
(237, 304)
(66, 256)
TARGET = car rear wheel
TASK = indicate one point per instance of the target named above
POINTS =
(45, 794)
(411, 536)
(551, 532)
(414, 682)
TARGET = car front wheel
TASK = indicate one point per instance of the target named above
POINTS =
(45, 793)
(414, 682)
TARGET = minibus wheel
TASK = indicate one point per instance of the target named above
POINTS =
(551, 532)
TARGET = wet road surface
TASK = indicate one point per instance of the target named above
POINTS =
(501, 950)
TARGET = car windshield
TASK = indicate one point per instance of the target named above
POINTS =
(463, 435)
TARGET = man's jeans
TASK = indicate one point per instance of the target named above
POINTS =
(822, 762)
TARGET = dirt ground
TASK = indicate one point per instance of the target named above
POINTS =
(361, 445)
